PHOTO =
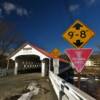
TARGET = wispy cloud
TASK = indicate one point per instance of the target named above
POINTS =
(10, 7)
(74, 7)
(1, 12)
(21, 11)
(90, 2)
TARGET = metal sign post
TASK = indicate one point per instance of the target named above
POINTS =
(78, 82)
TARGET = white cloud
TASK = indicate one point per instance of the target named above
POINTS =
(21, 11)
(10, 7)
(74, 7)
(90, 2)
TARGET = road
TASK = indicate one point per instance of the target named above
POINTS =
(12, 87)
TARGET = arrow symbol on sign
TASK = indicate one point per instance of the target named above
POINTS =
(77, 26)
(78, 43)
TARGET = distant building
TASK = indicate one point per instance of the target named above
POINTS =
(92, 66)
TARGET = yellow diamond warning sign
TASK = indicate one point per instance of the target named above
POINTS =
(78, 34)
(55, 53)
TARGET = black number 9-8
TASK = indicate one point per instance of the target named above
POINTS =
(70, 34)
(83, 34)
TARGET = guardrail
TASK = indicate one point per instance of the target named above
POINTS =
(3, 72)
(66, 91)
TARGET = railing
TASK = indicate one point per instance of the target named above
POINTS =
(66, 91)
(3, 72)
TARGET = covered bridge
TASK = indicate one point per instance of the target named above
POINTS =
(30, 57)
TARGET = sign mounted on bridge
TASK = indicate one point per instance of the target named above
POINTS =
(78, 34)
(79, 57)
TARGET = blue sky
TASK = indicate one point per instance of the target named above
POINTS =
(42, 22)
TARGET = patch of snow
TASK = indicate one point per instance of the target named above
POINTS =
(34, 90)
(26, 96)
(32, 85)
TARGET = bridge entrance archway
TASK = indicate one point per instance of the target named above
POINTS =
(28, 63)
(29, 58)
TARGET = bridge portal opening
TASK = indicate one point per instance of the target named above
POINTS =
(28, 64)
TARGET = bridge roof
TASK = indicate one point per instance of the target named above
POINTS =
(47, 54)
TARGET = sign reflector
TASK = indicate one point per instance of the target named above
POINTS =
(79, 57)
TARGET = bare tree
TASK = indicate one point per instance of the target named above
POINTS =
(8, 37)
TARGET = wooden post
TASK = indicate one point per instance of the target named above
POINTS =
(43, 69)
(78, 82)
(16, 68)
(7, 64)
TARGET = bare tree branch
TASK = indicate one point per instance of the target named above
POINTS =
(8, 38)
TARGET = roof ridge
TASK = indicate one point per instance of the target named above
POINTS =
(37, 48)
